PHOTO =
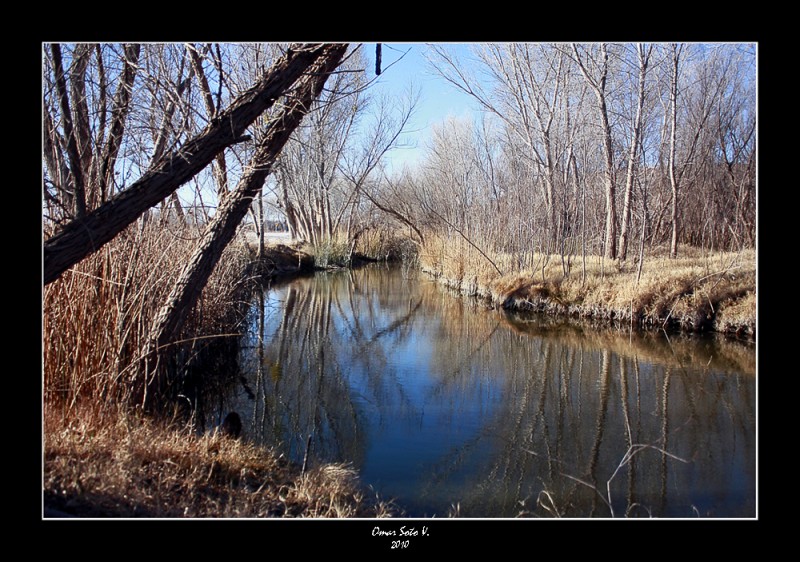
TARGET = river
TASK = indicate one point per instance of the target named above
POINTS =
(448, 407)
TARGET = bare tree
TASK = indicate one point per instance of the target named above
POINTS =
(698, 102)
(83, 236)
(119, 111)
(212, 109)
(388, 121)
(594, 67)
(553, 150)
(228, 217)
(79, 165)
(324, 170)
(675, 51)
(529, 84)
(643, 57)
(735, 132)
(74, 153)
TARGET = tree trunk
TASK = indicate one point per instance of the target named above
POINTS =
(611, 200)
(54, 160)
(637, 127)
(193, 278)
(76, 171)
(80, 238)
(219, 167)
(673, 177)
(598, 85)
(160, 143)
(101, 116)
(119, 113)
(80, 110)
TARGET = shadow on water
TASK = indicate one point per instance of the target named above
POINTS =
(204, 375)
(449, 407)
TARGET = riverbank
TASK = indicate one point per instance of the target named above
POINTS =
(696, 292)
(119, 465)
(284, 257)
(102, 458)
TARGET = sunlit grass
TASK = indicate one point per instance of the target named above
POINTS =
(370, 244)
(121, 465)
(334, 252)
(697, 291)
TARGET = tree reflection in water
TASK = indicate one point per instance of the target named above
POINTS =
(439, 401)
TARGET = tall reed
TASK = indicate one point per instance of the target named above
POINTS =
(96, 316)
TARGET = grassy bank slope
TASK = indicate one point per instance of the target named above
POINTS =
(695, 292)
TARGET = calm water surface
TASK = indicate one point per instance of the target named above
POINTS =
(448, 407)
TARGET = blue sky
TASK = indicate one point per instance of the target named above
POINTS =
(403, 64)
(438, 99)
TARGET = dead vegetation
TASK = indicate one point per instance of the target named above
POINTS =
(116, 464)
(699, 292)
(102, 457)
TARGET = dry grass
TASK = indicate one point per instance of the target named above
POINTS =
(330, 253)
(115, 464)
(102, 459)
(97, 315)
(371, 244)
(386, 244)
(695, 292)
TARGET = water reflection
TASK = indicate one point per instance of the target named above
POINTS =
(442, 404)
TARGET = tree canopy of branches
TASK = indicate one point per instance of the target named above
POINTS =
(665, 132)
(324, 171)
(85, 204)
(88, 216)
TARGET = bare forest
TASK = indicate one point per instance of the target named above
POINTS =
(593, 147)
(598, 149)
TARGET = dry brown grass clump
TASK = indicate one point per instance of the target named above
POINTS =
(119, 465)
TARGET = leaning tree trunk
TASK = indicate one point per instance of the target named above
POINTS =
(151, 376)
(82, 237)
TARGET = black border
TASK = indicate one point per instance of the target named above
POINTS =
(386, 23)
